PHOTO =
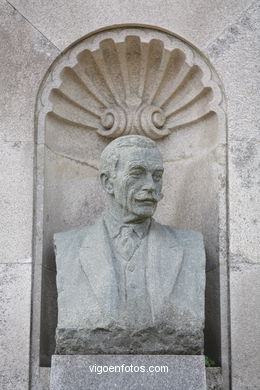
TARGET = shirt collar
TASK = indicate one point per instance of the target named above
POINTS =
(114, 226)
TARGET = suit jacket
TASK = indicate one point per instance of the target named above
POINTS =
(86, 282)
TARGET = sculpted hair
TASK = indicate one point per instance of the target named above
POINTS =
(110, 155)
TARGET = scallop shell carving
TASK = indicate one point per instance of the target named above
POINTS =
(131, 87)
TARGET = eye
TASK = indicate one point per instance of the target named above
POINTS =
(157, 176)
(137, 172)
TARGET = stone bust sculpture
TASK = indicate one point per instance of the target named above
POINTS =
(128, 284)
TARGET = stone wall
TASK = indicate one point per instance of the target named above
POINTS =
(32, 35)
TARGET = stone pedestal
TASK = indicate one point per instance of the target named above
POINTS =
(74, 372)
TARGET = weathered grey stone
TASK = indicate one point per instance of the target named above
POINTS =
(245, 319)
(15, 310)
(244, 180)
(214, 378)
(236, 57)
(130, 80)
(244, 263)
(185, 19)
(100, 87)
(237, 71)
(134, 286)
(173, 372)
(25, 55)
(16, 197)
(72, 198)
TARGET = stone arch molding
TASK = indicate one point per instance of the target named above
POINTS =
(118, 81)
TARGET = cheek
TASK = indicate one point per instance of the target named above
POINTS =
(131, 184)
(124, 188)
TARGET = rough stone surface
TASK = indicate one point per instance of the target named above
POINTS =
(128, 284)
(130, 80)
(184, 18)
(15, 292)
(16, 197)
(73, 372)
(235, 54)
(214, 378)
(244, 170)
(245, 319)
(194, 154)
(236, 58)
(25, 55)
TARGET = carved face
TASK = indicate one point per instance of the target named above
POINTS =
(138, 182)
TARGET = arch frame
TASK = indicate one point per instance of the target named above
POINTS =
(219, 151)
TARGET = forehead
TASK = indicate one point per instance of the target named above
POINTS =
(148, 158)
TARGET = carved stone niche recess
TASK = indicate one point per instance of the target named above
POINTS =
(118, 81)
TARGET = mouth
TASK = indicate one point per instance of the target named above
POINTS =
(147, 201)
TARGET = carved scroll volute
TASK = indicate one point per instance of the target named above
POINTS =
(132, 87)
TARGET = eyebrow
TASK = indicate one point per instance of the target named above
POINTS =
(137, 165)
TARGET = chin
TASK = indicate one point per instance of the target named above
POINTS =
(145, 212)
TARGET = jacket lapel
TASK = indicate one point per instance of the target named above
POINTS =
(97, 263)
(165, 257)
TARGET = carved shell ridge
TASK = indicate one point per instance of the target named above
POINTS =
(131, 87)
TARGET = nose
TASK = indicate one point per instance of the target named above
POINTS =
(149, 184)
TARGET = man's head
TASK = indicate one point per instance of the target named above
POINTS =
(131, 173)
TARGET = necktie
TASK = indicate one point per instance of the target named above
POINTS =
(126, 242)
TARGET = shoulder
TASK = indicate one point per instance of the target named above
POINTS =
(64, 241)
(190, 241)
(187, 239)
(184, 236)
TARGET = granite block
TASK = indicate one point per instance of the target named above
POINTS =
(16, 201)
(25, 55)
(15, 294)
(214, 378)
(235, 56)
(244, 210)
(245, 320)
(64, 22)
(128, 372)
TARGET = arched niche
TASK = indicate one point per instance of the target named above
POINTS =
(117, 81)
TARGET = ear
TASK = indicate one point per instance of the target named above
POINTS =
(107, 183)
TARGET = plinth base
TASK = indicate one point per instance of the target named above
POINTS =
(74, 372)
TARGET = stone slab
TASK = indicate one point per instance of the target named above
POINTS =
(176, 372)
(25, 56)
(245, 320)
(16, 201)
(61, 22)
(244, 177)
(15, 311)
(235, 55)
(214, 378)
